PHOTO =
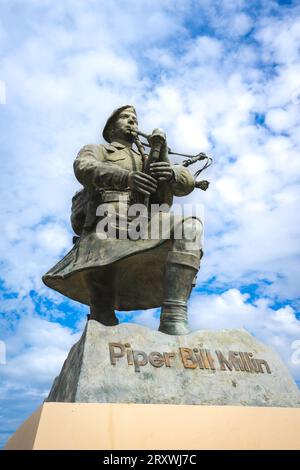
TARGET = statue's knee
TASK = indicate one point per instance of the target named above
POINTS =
(192, 229)
(192, 232)
(191, 236)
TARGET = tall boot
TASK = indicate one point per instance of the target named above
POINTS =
(101, 301)
(181, 268)
(101, 310)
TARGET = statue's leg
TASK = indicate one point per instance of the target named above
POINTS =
(101, 297)
(181, 269)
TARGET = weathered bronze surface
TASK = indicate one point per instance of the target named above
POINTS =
(129, 274)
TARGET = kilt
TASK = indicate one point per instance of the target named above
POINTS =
(136, 266)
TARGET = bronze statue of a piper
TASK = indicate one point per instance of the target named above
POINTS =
(111, 273)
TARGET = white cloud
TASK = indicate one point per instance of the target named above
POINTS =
(280, 120)
(242, 24)
(281, 39)
(35, 353)
(2, 92)
(203, 49)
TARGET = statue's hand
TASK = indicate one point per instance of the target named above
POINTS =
(141, 182)
(161, 171)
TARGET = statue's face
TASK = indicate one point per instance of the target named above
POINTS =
(124, 125)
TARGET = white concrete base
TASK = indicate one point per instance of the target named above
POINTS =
(109, 426)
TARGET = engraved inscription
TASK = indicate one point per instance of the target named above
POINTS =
(189, 358)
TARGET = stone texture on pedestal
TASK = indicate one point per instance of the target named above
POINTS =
(203, 367)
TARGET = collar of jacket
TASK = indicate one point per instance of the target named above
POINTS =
(115, 146)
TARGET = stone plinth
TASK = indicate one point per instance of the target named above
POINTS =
(132, 364)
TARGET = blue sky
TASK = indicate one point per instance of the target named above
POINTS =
(220, 77)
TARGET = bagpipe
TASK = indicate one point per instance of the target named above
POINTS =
(155, 142)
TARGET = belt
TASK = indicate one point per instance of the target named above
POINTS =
(115, 196)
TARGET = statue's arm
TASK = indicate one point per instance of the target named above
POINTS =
(182, 182)
(92, 172)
